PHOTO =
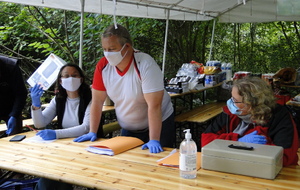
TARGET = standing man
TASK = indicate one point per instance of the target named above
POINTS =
(13, 95)
(134, 82)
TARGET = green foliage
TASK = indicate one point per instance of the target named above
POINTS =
(259, 48)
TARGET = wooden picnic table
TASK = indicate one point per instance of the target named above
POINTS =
(68, 161)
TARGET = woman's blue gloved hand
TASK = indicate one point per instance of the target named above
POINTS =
(253, 138)
(90, 136)
(153, 146)
(36, 92)
(47, 134)
(11, 124)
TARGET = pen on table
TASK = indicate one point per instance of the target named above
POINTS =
(31, 128)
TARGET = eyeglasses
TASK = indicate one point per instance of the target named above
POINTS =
(234, 101)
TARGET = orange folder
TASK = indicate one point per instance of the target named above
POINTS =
(115, 145)
(173, 160)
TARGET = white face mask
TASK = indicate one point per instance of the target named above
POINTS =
(71, 84)
(115, 57)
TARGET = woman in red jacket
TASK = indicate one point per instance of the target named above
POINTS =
(252, 116)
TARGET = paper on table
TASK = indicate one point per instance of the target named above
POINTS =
(37, 139)
(172, 160)
(115, 145)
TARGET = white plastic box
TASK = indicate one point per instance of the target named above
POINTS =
(263, 161)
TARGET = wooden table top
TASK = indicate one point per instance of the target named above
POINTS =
(68, 161)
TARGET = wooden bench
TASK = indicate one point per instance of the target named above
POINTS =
(202, 113)
(196, 120)
(109, 128)
(29, 122)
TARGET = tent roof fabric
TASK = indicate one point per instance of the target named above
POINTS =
(264, 11)
(193, 10)
(157, 9)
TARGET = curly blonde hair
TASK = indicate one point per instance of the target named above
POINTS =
(259, 95)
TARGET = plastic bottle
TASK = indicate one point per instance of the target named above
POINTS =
(223, 67)
(207, 81)
(188, 157)
(228, 71)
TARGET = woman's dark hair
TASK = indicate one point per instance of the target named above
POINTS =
(61, 92)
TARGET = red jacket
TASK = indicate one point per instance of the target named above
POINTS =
(280, 131)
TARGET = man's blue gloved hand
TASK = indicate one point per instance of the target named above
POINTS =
(253, 138)
(36, 92)
(11, 124)
(47, 134)
(90, 136)
(153, 146)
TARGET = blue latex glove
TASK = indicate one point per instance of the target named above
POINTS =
(11, 124)
(36, 92)
(90, 136)
(153, 146)
(253, 138)
(47, 134)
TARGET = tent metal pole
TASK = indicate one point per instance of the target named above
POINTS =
(212, 40)
(166, 39)
(81, 32)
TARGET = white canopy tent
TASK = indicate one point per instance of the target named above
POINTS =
(194, 10)
(238, 11)
(179, 9)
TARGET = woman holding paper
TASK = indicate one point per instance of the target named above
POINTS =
(134, 82)
(71, 105)
(252, 116)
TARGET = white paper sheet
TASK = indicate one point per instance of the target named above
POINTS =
(47, 73)
(37, 139)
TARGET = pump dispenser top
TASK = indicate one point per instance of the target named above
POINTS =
(188, 134)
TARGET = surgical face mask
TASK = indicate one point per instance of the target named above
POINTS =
(115, 57)
(233, 108)
(71, 83)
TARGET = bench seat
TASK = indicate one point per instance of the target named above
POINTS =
(196, 120)
(107, 128)
(110, 127)
(202, 113)
(29, 122)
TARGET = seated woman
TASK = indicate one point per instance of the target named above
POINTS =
(252, 116)
(71, 105)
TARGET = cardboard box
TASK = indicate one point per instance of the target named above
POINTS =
(263, 161)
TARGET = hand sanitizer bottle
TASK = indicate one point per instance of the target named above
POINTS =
(188, 157)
